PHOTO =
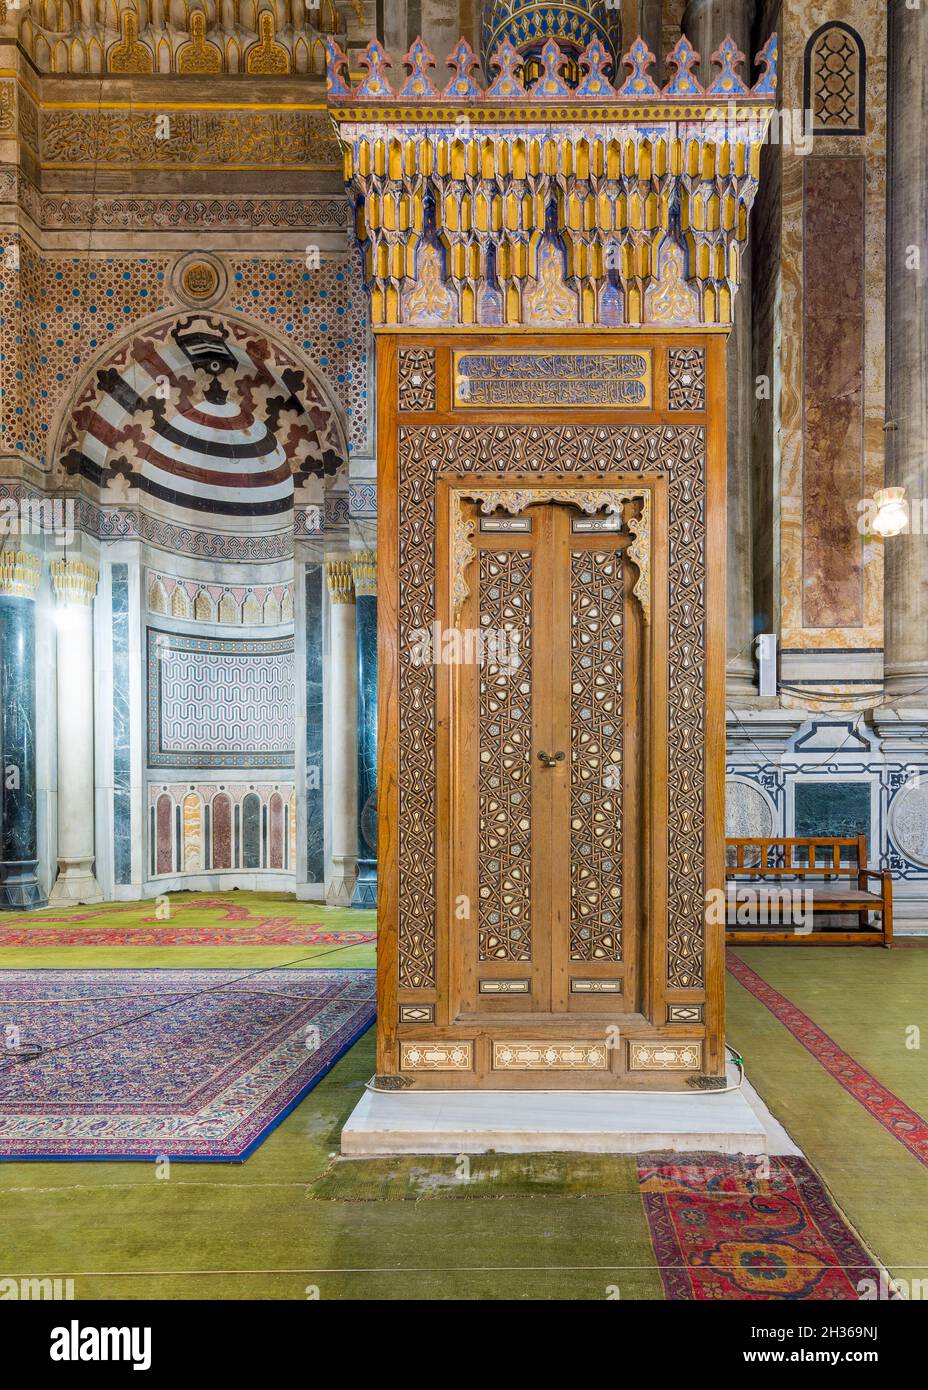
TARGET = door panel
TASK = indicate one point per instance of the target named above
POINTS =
(545, 802)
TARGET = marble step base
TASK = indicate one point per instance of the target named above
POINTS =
(476, 1122)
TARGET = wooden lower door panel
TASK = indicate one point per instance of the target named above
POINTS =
(545, 757)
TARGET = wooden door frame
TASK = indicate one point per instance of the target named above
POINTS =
(654, 1048)
(653, 640)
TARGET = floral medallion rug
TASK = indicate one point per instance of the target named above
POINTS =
(182, 1064)
(749, 1228)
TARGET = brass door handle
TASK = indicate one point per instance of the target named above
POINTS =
(550, 761)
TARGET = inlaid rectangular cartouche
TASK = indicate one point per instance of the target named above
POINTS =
(491, 379)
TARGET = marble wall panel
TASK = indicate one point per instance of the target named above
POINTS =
(810, 619)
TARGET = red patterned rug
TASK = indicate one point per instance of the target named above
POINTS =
(902, 1122)
(748, 1228)
(268, 933)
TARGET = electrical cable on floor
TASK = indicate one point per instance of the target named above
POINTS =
(31, 1052)
(574, 1090)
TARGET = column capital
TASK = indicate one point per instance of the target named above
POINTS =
(339, 579)
(364, 569)
(75, 581)
(20, 572)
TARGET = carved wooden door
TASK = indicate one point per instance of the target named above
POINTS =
(547, 746)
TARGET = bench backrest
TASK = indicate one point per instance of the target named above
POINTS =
(758, 856)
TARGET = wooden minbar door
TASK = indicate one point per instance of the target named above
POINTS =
(551, 541)
(547, 753)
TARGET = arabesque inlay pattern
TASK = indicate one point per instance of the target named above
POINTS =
(417, 378)
(686, 372)
(596, 630)
(505, 790)
(676, 452)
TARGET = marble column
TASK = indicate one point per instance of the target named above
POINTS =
(706, 23)
(364, 570)
(906, 556)
(75, 583)
(19, 582)
(342, 693)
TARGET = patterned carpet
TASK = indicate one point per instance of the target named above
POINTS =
(727, 1228)
(189, 1064)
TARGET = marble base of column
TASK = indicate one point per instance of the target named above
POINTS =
(75, 883)
(905, 684)
(740, 679)
(340, 887)
(365, 888)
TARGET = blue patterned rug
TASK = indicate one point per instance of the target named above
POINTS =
(187, 1064)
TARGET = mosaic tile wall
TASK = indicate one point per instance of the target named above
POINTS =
(66, 310)
(324, 312)
(60, 312)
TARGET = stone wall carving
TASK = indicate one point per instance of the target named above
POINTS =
(205, 827)
(201, 139)
(232, 605)
(175, 212)
(270, 37)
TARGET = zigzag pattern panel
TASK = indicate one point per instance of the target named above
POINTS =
(505, 830)
(596, 603)
(219, 703)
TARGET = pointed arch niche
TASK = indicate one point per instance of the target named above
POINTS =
(203, 446)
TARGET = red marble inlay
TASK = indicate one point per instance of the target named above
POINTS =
(833, 380)
(222, 832)
(277, 832)
(165, 834)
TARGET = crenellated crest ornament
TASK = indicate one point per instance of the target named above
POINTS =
(577, 196)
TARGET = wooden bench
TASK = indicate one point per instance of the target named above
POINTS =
(779, 865)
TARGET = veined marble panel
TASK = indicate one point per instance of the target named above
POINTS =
(862, 627)
(122, 772)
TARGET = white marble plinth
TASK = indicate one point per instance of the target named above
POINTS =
(474, 1122)
(75, 884)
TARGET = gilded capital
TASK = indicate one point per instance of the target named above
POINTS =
(339, 578)
(20, 573)
(75, 582)
(364, 569)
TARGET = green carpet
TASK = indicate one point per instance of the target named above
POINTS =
(866, 1000)
(523, 1227)
(291, 1219)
